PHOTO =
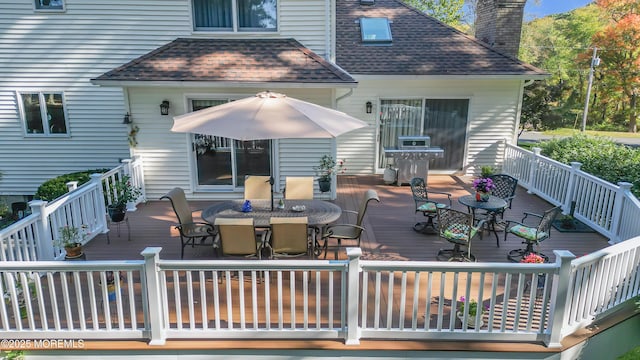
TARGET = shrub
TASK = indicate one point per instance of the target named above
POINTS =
(599, 156)
(56, 187)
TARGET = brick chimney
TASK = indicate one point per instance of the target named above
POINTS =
(499, 24)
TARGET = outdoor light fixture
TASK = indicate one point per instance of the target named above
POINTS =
(369, 107)
(164, 107)
(127, 119)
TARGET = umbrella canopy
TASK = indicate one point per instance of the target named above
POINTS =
(267, 115)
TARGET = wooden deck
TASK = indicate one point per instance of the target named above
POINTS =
(389, 224)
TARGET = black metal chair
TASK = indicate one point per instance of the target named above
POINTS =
(458, 228)
(531, 234)
(191, 232)
(348, 231)
(505, 188)
(426, 206)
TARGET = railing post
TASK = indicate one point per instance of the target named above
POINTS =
(353, 276)
(559, 297)
(533, 171)
(43, 236)
(154, 295)
(71, 185)
(571, 186)
(99, 203)
(624, 188)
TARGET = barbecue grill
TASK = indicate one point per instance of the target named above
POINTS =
(411, 157)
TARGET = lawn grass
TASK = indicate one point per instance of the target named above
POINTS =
(569, 132)
(633, 354)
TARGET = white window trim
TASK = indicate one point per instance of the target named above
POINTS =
(43, 113)
(235, 29)
(63, 9)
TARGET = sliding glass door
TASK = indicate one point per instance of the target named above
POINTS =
(222, 163)
(444, 120)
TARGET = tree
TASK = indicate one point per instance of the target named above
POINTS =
(447, 11)
(553, 43)
(620, 55)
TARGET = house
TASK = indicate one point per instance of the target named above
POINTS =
(91, 77)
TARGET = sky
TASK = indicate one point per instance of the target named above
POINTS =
(548, 7)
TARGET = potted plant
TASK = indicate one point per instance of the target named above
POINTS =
(472, 311)
(533, 258)
(121, 193)
(325, 170)
(70, 238)
(483, 187)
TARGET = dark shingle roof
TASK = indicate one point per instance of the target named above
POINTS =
(421, 45)
(230, 60)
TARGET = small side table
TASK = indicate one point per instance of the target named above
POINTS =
(125, 221)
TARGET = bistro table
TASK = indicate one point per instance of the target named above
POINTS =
(318, 212)
(491, 206)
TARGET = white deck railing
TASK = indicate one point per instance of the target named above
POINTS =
(610, 209)
(283, 299)
(31, 238)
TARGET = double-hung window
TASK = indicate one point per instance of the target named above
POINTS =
(49, 5)
(43, 113)
(235, 15)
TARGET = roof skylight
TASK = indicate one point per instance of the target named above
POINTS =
(375, 30)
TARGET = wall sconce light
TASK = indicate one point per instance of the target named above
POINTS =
(164, 107)
(369, 107)
(127, 119)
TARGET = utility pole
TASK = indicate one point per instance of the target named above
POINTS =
(595, 61)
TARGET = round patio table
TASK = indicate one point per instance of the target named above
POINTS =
(318, 212)
(491, 206)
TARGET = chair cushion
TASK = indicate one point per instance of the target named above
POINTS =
(431, 207)
(458, 233)
(528, 233)
(196, 230)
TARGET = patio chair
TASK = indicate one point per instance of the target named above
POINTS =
(531, 234)
(426, 206)
(238, 237)
(298, 188)
(458, 228)
(505, 188)
(191, 232)
(257, 187)
(348, 231)
(288, 237)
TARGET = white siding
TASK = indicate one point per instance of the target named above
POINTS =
(492, 116)
(62, 51)
(167, 155)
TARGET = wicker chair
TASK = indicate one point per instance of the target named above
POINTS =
(348, 231)
(426, 206)
(458, 228)
(531, 234)
(191, 232)
(289, 236)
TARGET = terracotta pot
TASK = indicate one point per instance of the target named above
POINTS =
(73, 251)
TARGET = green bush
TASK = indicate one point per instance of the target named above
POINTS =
(56, 187)
(600, 156)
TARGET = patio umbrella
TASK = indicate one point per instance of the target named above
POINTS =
(267, 115)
